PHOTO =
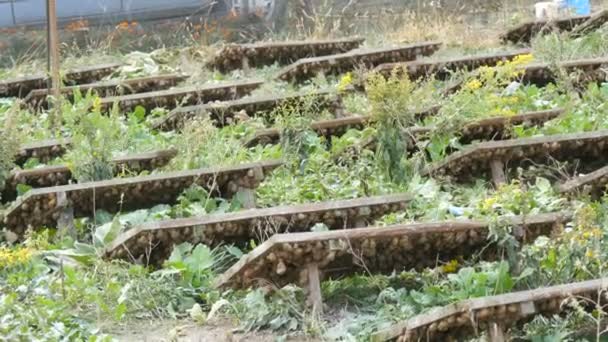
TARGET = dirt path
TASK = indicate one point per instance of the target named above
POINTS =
(186, 331)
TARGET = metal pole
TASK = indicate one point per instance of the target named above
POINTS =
(53, 60)
(13, 13)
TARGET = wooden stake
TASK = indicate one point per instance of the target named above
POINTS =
(496, 333)
(498, 172)
(245, 64)
(53, 61)
(314, 288)
(248, 196)
(65, 222)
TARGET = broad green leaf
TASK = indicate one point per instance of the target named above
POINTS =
(107, 233)
(22, 189)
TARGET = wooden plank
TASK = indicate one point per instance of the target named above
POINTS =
(443, 69)
(223, 113)
(20, 87)
(314, 288)
(38, 98)
(461, 319)
(497, 128)
(182, 96)
(376, 249)
(61, 175)
(593, 183)
(524, 32)
(494, 128)
(581, 71)
(243, 226)
(34, 209)
(498, 172)
(473, 160)
(44, 150)
(593, 23)
(329, 128)
(369, 58)
(230, 57)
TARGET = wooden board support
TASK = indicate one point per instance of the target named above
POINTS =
(498, 172)
(524, 32)
(540, 74)
(443, 69)
(370, 58)
(234, 56)
(173, 98)
(593, 23)
(21, 87)
(593, 184)
(65, 222)
(495, 128)
(256, 224)
(61, 174)
(582, 72)
(34, 209)
(377, 249)
(475, 159)
(53, 58)
(223, 113)
(496, 332)
(248, 197)
(460, 320)
(38, 98)
(314, 288)
(44, 151)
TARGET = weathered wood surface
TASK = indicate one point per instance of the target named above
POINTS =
(36, 208)
(369, 58)
(328, 128)
(593, 23)
(192, 95)
(497, 128)
(593, 184)
(443, 69)
(38, 97)
(224, 113)
(44, 150)
(475, 159)
(468, 318)
(246, 225)
(524, 32)
(282, 258)
(231, 56)
(20, 87)
(494, 128)
(61, 175)
(581, 71)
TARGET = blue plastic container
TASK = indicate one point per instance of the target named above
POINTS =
(580, 7)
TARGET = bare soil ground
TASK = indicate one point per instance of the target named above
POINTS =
(186, 331)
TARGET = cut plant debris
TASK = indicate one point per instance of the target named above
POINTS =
(291, 188)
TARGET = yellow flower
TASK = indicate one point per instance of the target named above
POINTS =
(9, 258)
(512, 99)
(345, 81)
(523, 59)
(488, 203)
(451, 266)
(487, 72)
(97, 104)
(473, 85)
(590, 254)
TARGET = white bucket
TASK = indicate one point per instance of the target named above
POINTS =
(546, 10)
